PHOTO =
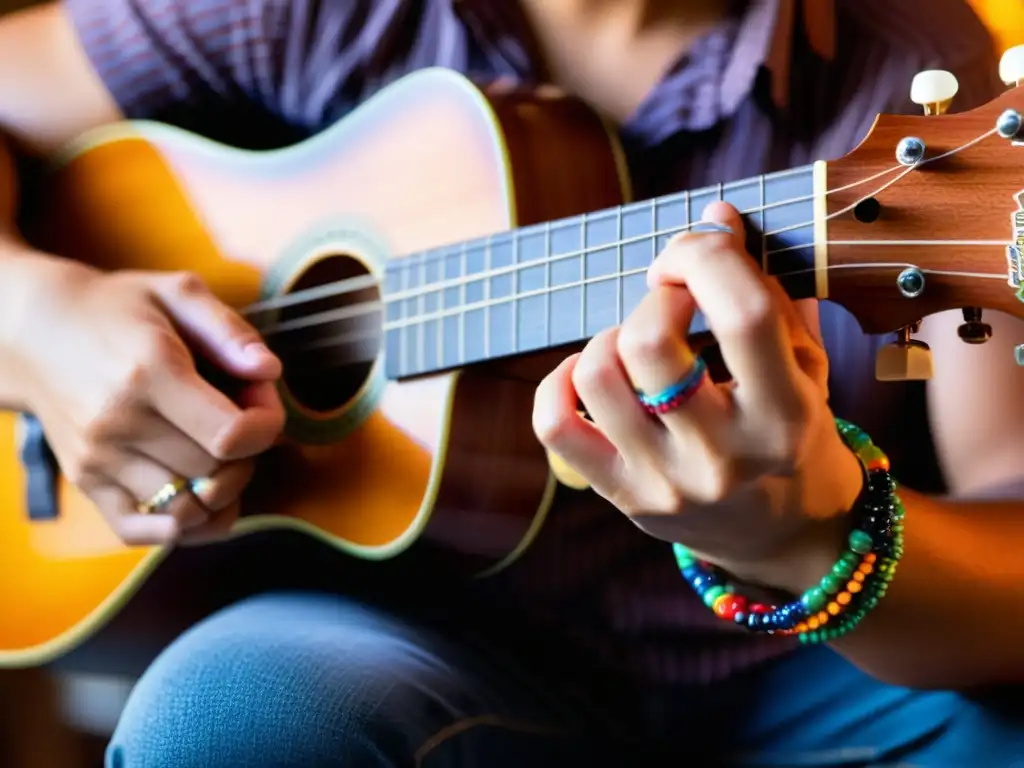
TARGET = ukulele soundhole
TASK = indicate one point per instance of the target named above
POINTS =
(330, 337)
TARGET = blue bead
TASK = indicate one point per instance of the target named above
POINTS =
(705, 581)
(740, 617)
(690, 571)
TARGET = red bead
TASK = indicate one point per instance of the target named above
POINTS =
(729, 605)
(759, 608)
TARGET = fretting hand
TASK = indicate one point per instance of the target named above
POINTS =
(110, 373)
(744, 473)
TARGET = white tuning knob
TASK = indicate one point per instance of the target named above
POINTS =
(933, 89)
(1011, 66)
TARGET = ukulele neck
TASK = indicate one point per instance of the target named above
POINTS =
(547, 285)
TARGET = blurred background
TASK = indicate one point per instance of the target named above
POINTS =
(63, 719)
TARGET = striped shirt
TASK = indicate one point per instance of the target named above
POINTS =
(781, 83)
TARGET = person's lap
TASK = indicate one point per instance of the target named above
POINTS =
(316, 680)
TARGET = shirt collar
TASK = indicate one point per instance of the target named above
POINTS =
(714, 77)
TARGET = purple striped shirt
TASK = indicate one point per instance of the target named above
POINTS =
(782, 83)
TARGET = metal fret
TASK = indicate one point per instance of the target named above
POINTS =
(488, 259)
(514, 330)
(583, 277)
(547, 284)
(764, 238)
(619, 315)
(463, 276)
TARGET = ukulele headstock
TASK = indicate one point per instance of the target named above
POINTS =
(927, 215)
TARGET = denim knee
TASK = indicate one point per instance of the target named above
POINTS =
(289, 680)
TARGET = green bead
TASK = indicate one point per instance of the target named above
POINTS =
(843, 569)
(860, 542)
(871, 453)
(814, 599)
(831, 583)
(713, 594)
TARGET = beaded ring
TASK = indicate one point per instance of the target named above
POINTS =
(672, 397)
(855, 584)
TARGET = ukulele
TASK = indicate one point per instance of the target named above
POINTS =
(420, 265)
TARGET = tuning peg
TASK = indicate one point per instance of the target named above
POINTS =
(906, 359)
(1011, 66)
(933, 90)
(973, 330)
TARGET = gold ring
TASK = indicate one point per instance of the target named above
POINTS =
(163, 497)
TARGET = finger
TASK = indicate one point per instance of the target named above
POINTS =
(215, 329)
(162, 442)
(221, 495)
(223, 429)
(561, 429)
(217, 528)
(142, 478)
(118, 507)
(600, 381)
(225, 487)
(656, 356)
(740, 309)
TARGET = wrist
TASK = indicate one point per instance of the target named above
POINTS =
(845, 593)
(24, 277)
(799, 560)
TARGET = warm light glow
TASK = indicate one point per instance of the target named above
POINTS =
(1005, 18)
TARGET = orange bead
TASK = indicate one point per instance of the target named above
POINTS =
(869, 557)
(833, 608)
(879, 463)
(858, 576)
(853, 586)
(813, 623)
(866, 568)
(843, 598)
(823, 617)
(800, 628)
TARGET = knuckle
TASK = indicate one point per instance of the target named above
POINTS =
(648, 343)
(552, 429)
(186, 284)
(785, 444)
(597, 365)
(81, 468)
(717, 482)
(230, 442)
(752, 318)
(160, 352)
(669, 499)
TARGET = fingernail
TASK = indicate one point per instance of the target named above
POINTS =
(257, 352)
(711, 226)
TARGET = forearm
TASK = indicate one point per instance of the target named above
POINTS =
(20, 269)
(953, 616)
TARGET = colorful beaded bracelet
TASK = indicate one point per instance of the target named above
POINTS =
(854, 585)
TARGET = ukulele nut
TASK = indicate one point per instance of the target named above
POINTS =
(1008, 124)
(910, 151)
(911, 282)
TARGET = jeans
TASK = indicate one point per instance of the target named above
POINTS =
(309, 680)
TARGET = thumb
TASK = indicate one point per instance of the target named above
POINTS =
(216, 330)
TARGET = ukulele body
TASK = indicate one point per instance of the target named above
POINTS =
(444, 468)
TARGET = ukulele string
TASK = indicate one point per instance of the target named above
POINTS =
(350, 285)
(368, 340)
(364, 282)
(374, 307)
